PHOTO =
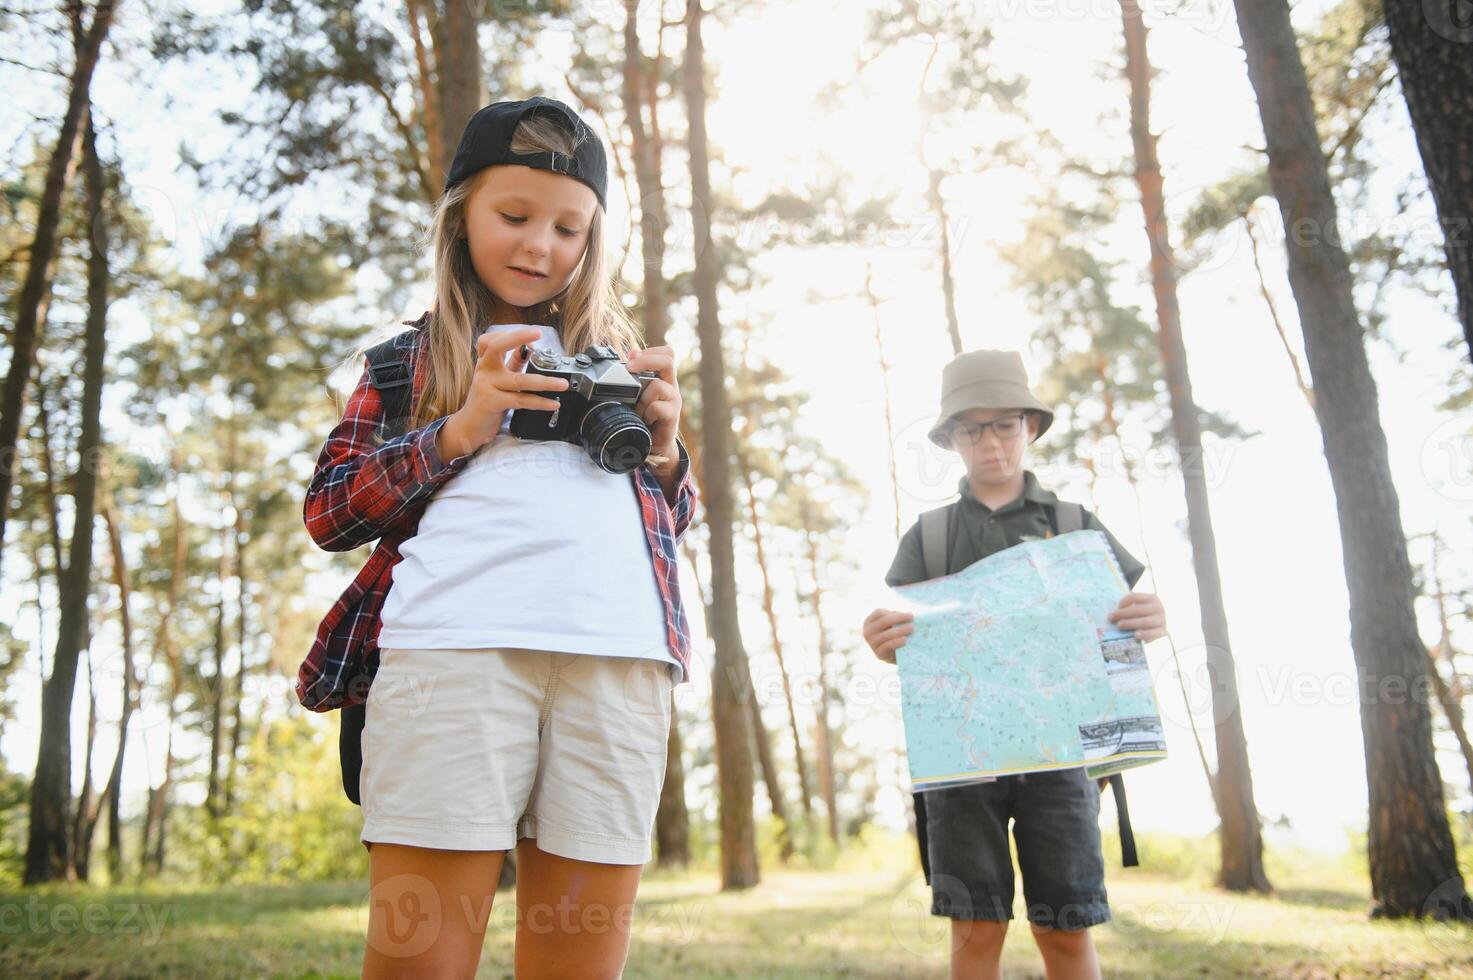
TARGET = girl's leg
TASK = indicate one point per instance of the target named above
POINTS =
(573, 917)
(427, 911)
(976, 948)
(1068, 954)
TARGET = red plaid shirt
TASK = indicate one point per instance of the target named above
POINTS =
(360, 493)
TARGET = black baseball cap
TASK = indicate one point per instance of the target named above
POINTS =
(487, 141)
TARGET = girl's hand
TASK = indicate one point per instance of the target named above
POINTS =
(1142, 612)
(885, 630)
(660, 404)
(500, 384)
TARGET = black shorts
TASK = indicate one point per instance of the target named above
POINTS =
(1055, 818)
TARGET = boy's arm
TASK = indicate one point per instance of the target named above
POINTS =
(908, 566)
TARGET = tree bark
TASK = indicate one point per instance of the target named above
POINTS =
(1450, 692)
(1240, 839)
(156, 820)
(762, 739)
(826, 781)
(427, 101)
(213, 794)
(874, 305)
(647, 175)
(460, 90)
(238, 701)
(1430, 44)
(672, 820)
(24, 333)
(769, 609)
(48, 854)
(1413, 863)
(113, 791)
(731, 684)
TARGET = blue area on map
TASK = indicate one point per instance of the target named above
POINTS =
(1014, 667)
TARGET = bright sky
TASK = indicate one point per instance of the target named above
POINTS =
(1273, 511)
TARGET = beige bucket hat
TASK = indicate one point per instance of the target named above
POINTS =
(986, 379)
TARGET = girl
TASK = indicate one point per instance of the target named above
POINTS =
(521, 607)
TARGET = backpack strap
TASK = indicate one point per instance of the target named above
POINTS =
(1128, 856)
(1064, 516)
(389, 372)
(934, 540)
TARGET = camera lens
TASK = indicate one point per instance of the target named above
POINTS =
(614, 437)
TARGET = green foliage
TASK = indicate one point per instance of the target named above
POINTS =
(290, 820)
(15, 792)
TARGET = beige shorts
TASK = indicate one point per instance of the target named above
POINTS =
(471, 750)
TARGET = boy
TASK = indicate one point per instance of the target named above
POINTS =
(988, 416)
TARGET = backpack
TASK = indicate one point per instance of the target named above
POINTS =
(388, 371)
(1063, 517)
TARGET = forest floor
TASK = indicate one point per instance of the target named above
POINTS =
(865, 917)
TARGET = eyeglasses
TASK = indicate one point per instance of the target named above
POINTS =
(970, 433)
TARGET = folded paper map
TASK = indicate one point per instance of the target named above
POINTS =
(1014, 667)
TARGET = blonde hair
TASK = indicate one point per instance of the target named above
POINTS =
(587, 312)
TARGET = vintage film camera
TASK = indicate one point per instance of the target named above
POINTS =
(597, 410)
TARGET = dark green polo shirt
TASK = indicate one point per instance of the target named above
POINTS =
(982, 531)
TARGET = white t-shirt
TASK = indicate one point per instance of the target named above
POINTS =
(533, 546)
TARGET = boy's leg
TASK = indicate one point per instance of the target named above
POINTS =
(976, 949)
(1057, 830)
(1068, 954)
(971, 872)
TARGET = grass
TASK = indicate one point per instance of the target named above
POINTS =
(865, 917)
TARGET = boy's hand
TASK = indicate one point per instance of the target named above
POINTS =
(1142, 612)
(1103, 781)
(885, 630)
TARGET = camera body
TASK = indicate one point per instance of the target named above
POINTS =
(597, 409)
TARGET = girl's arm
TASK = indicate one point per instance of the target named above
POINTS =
(359, 492)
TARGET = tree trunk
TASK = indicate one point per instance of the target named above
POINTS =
(1240, 840)
(672, 820)
(821, 726)
(213, 794)
(874, 305)
(85, 817)
(24, 332)
(237, 702)
(459, 89)
(943, 246)
(1449, 693)
(647, 167)
(769, 609)
(1430, 43)
(156, 820)
(1413, 864)
(113, 792)
(731, 684)
(427, 102)
(47, 852)
(762, 739)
